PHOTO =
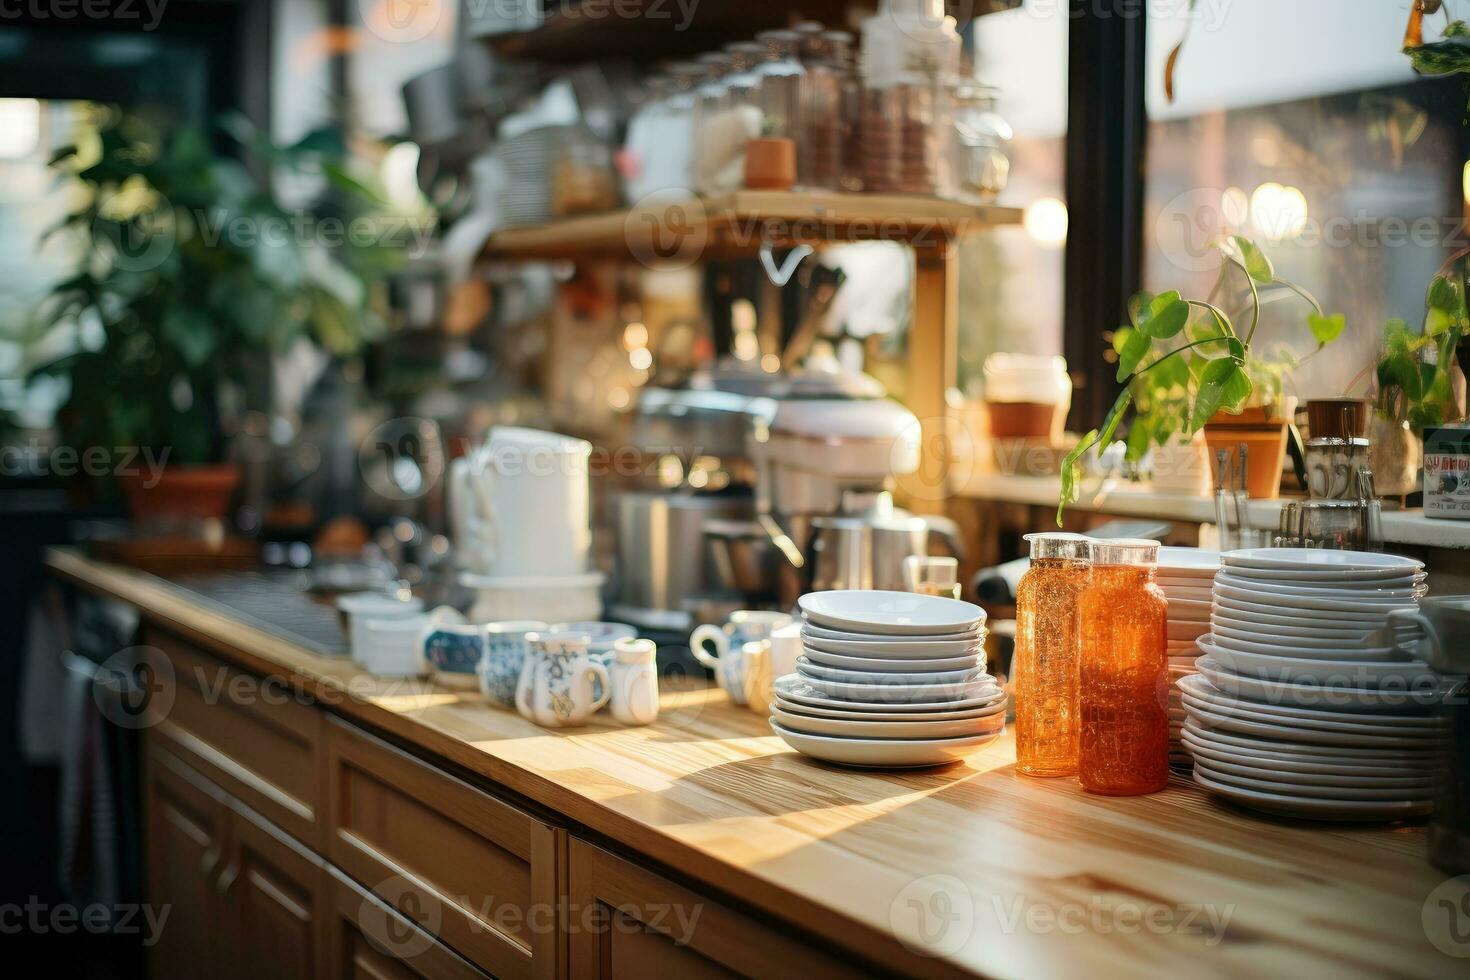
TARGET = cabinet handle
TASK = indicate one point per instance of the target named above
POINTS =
(227, 877)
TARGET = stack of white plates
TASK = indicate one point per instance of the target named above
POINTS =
(1186, 575)
(1304, 704)
(889, 680)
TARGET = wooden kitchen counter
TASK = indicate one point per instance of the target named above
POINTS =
(966, 869)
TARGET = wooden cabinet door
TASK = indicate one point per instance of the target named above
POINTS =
(367, 939)
(273, 903)
(627, 922)
(186, 838)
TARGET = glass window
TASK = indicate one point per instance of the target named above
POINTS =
(1011, 278)
(1302, 126)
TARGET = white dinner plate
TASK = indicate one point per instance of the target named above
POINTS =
(1264, 783)
(869, 728)
(1302, 695)
(890, 613)
(1188, 560)
(1282, 601)
(995, 702)
(884, 753)
(1173, 592)
(1310, 617)
(807, 669)
(1323, 645)
(1397, 589)
(890, 650)
(820, 656)
(1200, 686)
(1313, 559)
(1340, 577)
(1285, 804)
(795, 688)
(1400, 675)
(1320, 759)
(1241, 622)
(1239, 722)
(1380, 777)
(1248, 711)
(1345, 654)
(966, 638)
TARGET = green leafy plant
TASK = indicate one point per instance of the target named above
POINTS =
(1414, 383)
(192, 273)
(1182, 360)
(1450, 55)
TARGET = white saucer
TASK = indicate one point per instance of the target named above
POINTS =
(1293, 616)
(1288, 784)
(1353, 647)
(1284, 804)
(1224, 619)
(1278, 600)
(1248, 711)
(1318, 774)
(1199, 686)
(1316, 695)
(967, 638)
(1238, 721)
(1310, 758)
(890, 613)
(1317, 559)
(891, 650)
(989, 705)
(872, 728)
(820, 656)
(1328, 588)
(801, 690)
(884, 753)
(1402, 674)
(811, 670)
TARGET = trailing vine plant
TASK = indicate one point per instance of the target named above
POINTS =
(1182, 360)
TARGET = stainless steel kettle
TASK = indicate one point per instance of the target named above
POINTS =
(865, 550)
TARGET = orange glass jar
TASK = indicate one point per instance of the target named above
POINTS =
(1123, 746)
(1046, 659)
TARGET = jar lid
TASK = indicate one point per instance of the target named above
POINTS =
(1123, 551)
(1059, 544)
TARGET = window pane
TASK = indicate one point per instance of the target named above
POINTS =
(1301, 125)
(1011, 278)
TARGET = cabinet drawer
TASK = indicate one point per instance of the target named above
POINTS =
(482, 874)
(366, 940)
(626, 921)
(255, 738)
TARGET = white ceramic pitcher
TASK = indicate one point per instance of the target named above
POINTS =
(520, 504)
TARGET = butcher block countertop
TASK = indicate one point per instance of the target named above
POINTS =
(963, 870)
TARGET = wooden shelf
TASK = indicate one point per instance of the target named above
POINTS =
(649, 30)
(679, 230)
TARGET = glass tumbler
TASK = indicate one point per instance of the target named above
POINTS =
(1123, 746)
(1046, 657)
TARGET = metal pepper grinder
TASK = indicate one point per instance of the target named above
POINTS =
(1446, 648)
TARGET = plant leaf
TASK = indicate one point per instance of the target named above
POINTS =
(1131, 346)
(1221, 383)
(1326, 328)
(1071, 471)
(1257, 266)
(1165, 316)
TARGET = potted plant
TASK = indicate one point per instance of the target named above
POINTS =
(1186, 368)
(1416, 386)
(192, 273)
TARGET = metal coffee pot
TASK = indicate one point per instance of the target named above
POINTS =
(866, 549)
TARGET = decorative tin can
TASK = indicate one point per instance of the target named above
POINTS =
(1447, 472)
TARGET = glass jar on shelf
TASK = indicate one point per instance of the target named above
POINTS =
(831, 106)
(1045, 665)
(737, 121)
(1123, 683)
(981, 164)
(709, 105)
(924, 126)
(781, 73)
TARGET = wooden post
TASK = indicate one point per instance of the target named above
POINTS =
(932, 368)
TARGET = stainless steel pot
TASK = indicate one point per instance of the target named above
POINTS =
(867, 552)
(661, 552)
(741, 558)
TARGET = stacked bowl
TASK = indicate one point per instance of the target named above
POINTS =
(1186, 575)
(889, 680)
(1305, 703)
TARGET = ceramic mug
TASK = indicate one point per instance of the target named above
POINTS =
(757, 680)
(499, 668)
(556, 687)
(602, 638)
(449, 644)
(728, 663)
(1446, 624)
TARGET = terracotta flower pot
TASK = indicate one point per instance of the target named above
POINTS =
(1265, 448)
(180, 492)
(770, 164)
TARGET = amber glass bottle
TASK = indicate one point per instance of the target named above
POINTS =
(1123, 747)
(1046, 658)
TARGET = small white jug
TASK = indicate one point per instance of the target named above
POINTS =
(634, 682)
(556, 688)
